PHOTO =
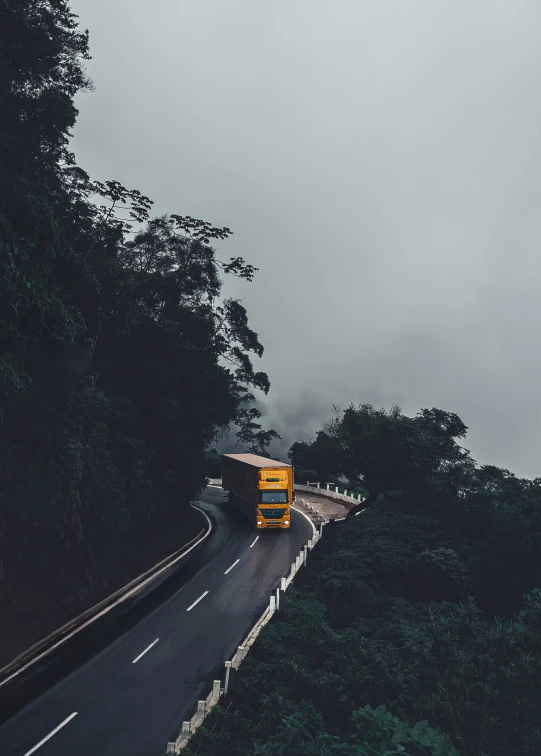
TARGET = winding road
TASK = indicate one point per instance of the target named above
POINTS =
(130, 698)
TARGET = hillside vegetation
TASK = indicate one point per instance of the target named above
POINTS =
(416, 627)
(118, 360)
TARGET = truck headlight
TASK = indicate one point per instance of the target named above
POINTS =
(286, 522)
(259, 523)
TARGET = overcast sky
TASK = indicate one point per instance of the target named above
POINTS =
(379, 161)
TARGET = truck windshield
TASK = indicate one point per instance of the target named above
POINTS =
(273, 497)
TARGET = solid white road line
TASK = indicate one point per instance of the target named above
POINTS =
(144, 652)
(196, 602)
(314, 530)
(230, 568)
(253, 544)
(50, 735)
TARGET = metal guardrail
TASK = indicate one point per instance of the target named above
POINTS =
(332, 492)
(67, 631)
(352, 493)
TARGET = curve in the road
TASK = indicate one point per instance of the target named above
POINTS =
(132, 695)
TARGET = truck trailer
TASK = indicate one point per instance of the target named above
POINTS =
(260, 488)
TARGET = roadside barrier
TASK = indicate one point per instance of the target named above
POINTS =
(331, 492)
(67, 631)
(205, 706)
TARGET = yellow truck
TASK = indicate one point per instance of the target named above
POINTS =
(259, 488)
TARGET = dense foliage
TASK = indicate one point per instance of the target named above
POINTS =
(119, 361)
(388, 452)
(429, 604)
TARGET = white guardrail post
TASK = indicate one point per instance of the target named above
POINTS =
(227, 673)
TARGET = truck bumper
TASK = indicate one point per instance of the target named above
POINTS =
(272, 526)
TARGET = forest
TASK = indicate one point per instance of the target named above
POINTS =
(119, 359)
(415, 627)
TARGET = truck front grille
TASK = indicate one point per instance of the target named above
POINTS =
(273, 514)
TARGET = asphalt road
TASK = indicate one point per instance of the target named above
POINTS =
(131, 697)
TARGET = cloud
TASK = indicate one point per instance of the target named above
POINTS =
(377, 161)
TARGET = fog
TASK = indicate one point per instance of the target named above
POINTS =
(378, 161)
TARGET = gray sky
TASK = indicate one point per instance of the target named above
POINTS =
(378, 161)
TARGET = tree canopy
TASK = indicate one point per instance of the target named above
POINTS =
(386, 451)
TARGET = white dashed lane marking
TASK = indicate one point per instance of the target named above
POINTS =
(50, 735)
(230, 568)
(144, 652)
(196, 602)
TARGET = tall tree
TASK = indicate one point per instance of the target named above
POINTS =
(250, 433)
(318, 458)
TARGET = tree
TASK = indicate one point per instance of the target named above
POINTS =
(386, 452)
(318, 458)
(251, 435)
(500, 518)
(213, 464)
